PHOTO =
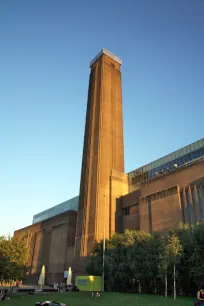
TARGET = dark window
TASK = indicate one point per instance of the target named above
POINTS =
(197, 153)
(126, 211)
(171, 164)
(150, 173)
(181, 160)
(167, 166)
(159, 169)
(200, 151)
(194, 154)
(187, 158)
(155, 170)
(82, 282)
(177, 162)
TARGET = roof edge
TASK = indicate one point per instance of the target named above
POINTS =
(108, 53)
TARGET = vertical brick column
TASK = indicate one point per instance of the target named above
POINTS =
(185, 206)
(192, 208)
(103, 152)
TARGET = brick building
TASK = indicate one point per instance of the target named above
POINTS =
(155, 197)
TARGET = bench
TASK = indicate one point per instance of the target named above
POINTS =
(50, 290)
(24, 290)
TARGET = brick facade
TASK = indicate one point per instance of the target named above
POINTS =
(165, 201)
(50, 243)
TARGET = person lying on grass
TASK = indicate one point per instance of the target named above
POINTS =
(200, 298)
(49, 303)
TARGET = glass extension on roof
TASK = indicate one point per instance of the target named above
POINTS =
(71, 204)
(179, 157)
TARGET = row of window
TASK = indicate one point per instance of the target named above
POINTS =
(179, 161)
(172, 156)
(140, 177)
(168, 166)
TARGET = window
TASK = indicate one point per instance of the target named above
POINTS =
(197, 153)
(190, 156)
(82, 282)
(186, 158)
(150, 173)
(177, 162)
(167, 166)
(201, 151)
(126, 211)
(159, 169)
(131, 210)
(146, 176)
(171, 164)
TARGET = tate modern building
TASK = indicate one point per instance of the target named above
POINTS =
(154, 197)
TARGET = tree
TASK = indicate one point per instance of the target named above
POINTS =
(138, 267)
(174, 250)
(195, 249)
(151, 262)
(136, 257)
(164, 263)
(94, 264)
(4, 266)
(13, 258)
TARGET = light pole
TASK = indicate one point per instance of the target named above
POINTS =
(104, 244)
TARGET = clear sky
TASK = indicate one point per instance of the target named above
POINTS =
(45, 50)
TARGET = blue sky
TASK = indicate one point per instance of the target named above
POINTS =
(45, 50)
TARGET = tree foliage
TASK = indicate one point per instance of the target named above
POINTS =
(137, 258)
(13, 258)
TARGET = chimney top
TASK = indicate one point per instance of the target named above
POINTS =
(108, 53)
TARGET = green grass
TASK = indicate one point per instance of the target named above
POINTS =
(108, 299)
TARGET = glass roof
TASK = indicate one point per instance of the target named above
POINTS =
(71, 204)
(172, 156)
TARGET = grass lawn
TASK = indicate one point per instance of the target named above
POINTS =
(108, 299)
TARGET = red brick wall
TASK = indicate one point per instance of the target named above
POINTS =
(156, 211)
(166, 212)
(51, 243)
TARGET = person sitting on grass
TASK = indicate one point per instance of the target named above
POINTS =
(4, 295)
(200, 297)
(95, 294)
